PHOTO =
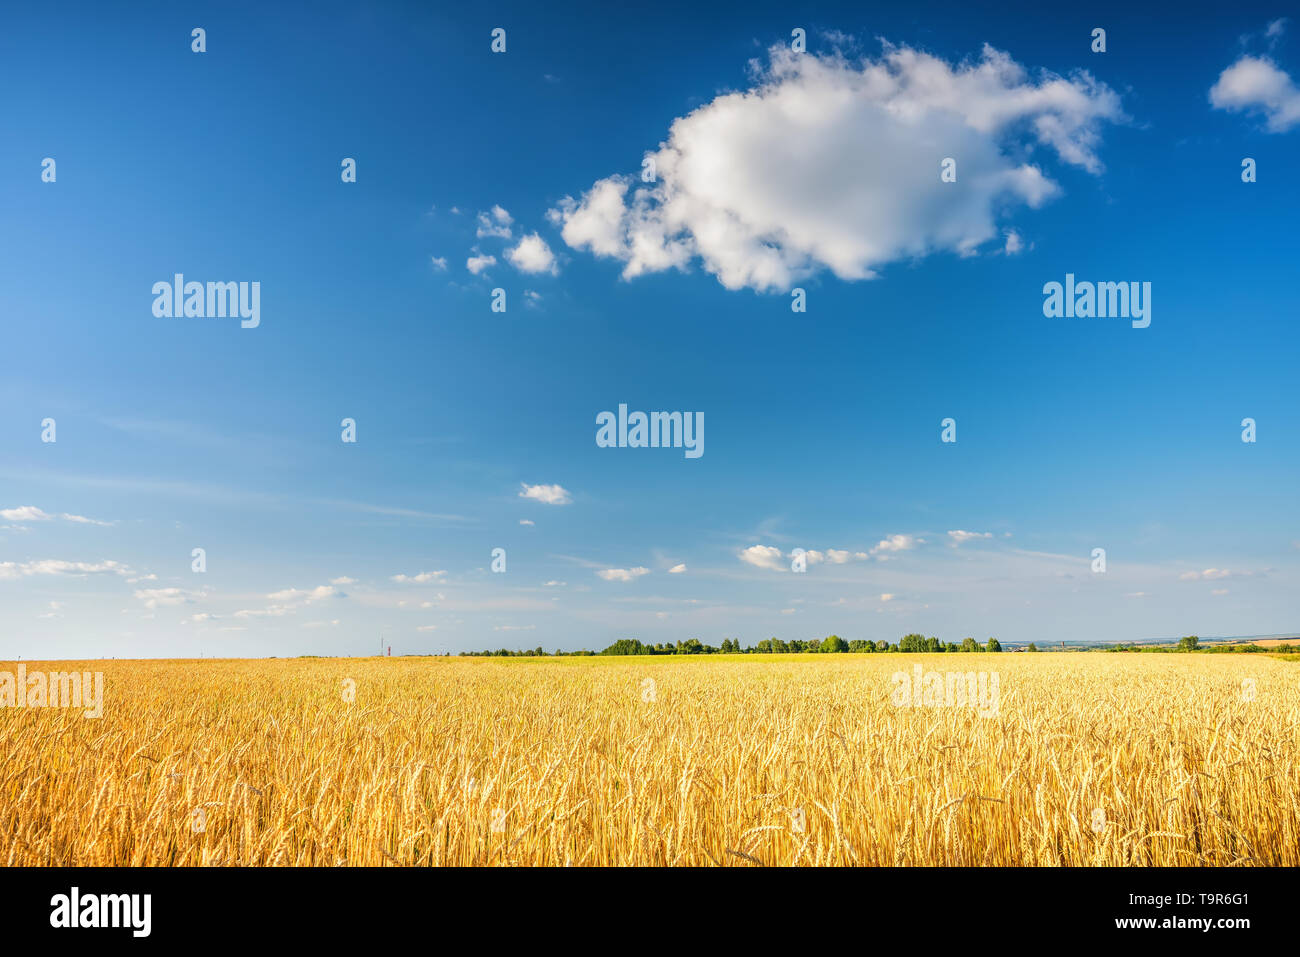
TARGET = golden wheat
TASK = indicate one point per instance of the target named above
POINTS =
(1092, 759)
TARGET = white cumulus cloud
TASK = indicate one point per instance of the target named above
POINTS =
(827, 163)
(24, 513)
(532, 255)
(763, 556)
(476, 264)
(1258, 85)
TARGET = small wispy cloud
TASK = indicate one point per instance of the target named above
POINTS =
(274, 611)
(894, 544)
(960, 536)
(420, 578)
(55, 566)
(166, 597)
(546, 494)
(30, 513)
(82, 520)
(300, 594)
(1210, 574)
(622, 574)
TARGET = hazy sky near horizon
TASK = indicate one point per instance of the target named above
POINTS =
(524, 171)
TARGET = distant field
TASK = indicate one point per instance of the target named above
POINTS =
(1265, 642)
(739, 761)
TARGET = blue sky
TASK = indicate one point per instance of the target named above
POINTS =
(818, 170)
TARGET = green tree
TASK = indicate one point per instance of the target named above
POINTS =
(970, 644)
(1188, 643)
(993, 645)
(834, 643)
(912, 643)
(627, 646)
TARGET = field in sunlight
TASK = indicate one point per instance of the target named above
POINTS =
(1077, 759)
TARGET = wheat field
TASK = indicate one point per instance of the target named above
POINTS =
(1091, 759)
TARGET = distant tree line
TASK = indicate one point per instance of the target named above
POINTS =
(535, 653)
(1193, 643)
(831, 644)
(1287, 649)
(834, 644)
